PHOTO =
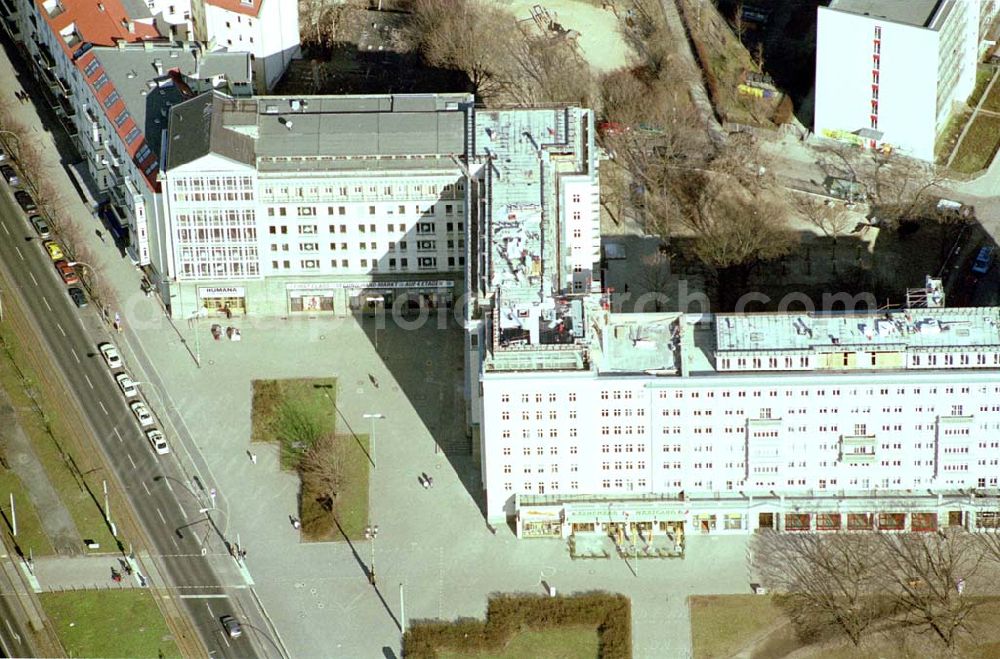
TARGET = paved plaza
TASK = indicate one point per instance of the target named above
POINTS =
(434, 541)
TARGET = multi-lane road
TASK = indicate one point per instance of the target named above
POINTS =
(174, 506)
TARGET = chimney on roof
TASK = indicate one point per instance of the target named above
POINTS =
(158, 63)
(131, 26)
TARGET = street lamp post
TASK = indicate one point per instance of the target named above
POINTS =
(371, 532)
(371, 437)
(402, 610)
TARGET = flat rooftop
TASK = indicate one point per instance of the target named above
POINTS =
(368, 132)
(900, 329)
(918, 13)
(360, 125)
(640, 343)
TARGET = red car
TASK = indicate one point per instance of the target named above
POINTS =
(67, 272)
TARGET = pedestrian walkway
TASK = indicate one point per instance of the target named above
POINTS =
(55, 519)
(93, 572)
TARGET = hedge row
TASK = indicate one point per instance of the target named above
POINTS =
(507, 615)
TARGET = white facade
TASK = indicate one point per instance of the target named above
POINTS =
(893, 79)
(733, 415)
(379, 211)
(231, 222)
(575, 435)
(267, 29)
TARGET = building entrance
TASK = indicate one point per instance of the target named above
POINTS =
(223, 300)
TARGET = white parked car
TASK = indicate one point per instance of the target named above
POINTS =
(158, 441)
(141, 412)
(111, 356)
(127, 385)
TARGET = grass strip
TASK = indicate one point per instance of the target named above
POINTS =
(116, 623)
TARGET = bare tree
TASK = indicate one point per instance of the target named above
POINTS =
(547, 69)
(827, 582)
(743, 158)
(927, 575)
(615, 190)
(827, 215)
(901, 187)
(739, 27)
(321, 469)
(733, 228)
(467, 36)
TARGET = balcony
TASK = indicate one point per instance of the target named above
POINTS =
(857, 449)
(44, 56)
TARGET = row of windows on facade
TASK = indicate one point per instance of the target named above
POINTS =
(424, 262)
(217, 217)
(349, 192)
(422, 228)
(310, 211)
(217, 254)
(767, 413)
(640, 483)
(206, 270)
(743, 431)
(740, 448)
(627, 394)
(947, 359)
(401, 246)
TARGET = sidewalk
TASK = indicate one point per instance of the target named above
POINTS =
(57, 573)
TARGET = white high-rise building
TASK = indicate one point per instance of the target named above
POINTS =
(890, 72)
(713, 423)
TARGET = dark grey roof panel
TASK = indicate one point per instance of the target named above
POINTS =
(451, 128)
(189, 136)
(416, 103)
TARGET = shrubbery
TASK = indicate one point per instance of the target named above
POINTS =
(507, 615)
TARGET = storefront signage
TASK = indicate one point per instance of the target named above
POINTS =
(222, 291)
(428, 283)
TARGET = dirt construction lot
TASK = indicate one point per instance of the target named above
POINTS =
(600, 41)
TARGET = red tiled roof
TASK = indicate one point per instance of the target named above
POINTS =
(99, 22)
(143, 158)
(245, 7)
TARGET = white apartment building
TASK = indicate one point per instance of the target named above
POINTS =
(111, 80)
(316, 204)
(890, 72)
(267, 29)
(792, 421)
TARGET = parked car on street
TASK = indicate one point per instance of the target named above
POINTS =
(9, 175)
(984, 259)
(111, 356)
(25, 201)
(158, 441)
(142, 413)
(54, 250)
(67, 273)
(41, 226)
(78, 296)
(127, 385)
